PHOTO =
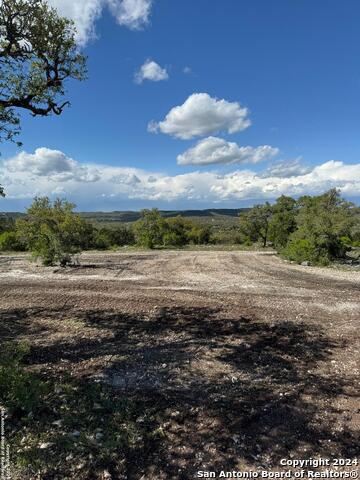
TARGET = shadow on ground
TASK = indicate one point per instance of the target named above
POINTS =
(225, 392)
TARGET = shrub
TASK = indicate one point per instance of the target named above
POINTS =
(20, 391)
(305, 250)
(173, 239)
(225, 236)
(176, 231)
(53, 231)
(200, 235)
(10, 241)
(106, 238)
(255, 224)
(149, 229)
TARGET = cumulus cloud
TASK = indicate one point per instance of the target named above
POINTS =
(202, 115)
(151, 71)
(286, 168)
(51, 164)
(133, 14)
(126, 179)
(213, 150)
(50, 172)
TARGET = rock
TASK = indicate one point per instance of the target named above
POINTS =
(57, 423)
(44, 446)
(75, 434)
(305, 264)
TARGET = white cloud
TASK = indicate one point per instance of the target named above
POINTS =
(213, 150)
(152, 71)
(52, 164)
(50, 172)
(187, 70)
(287, 168)
(133, 14)
(126, 179)
(202, 115)
(83, 12)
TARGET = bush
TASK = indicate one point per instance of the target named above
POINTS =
(53, 231)
(199, 235)
(226, 236)
(176, 231)
(9, 241)
(149, 230)
(305, 250)
(173, 239)
(20, 391)
(106, 238)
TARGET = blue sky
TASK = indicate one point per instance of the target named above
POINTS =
(295, 67)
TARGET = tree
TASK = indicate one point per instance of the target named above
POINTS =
(200, 234)
(283, 221)
(38, 54)
(254, 225)
(322, 224)
(105, 238)
(176, 231)
(149, 230)
(9, 241)
(52, 231)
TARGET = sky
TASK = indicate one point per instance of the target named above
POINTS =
(198, 104)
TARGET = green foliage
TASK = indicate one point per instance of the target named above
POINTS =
(106, 238)
(316, 229)
(355, 229)
(38, 54)
(149, 230)
(225, 235)
(7, 224)
(53, 231)
(301, 249)
(254, 225)
(11, 241)
(152, 230)
(20, 391)
(283, 221)
(200, 235)
(176, 231)
(324, 225)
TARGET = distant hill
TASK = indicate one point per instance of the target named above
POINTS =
(219, 216)
(214, 216)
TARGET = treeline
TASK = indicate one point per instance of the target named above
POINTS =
(314, 229)
(54, 233)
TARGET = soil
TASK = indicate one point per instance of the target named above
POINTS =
(248, 359)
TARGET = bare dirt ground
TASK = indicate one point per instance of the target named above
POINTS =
(245, 359)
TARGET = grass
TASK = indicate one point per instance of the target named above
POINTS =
(73, 428)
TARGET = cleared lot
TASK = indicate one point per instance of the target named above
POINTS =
(241, 358)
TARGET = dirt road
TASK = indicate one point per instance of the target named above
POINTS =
(249, 359)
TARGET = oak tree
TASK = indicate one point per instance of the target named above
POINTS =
(38, 54)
